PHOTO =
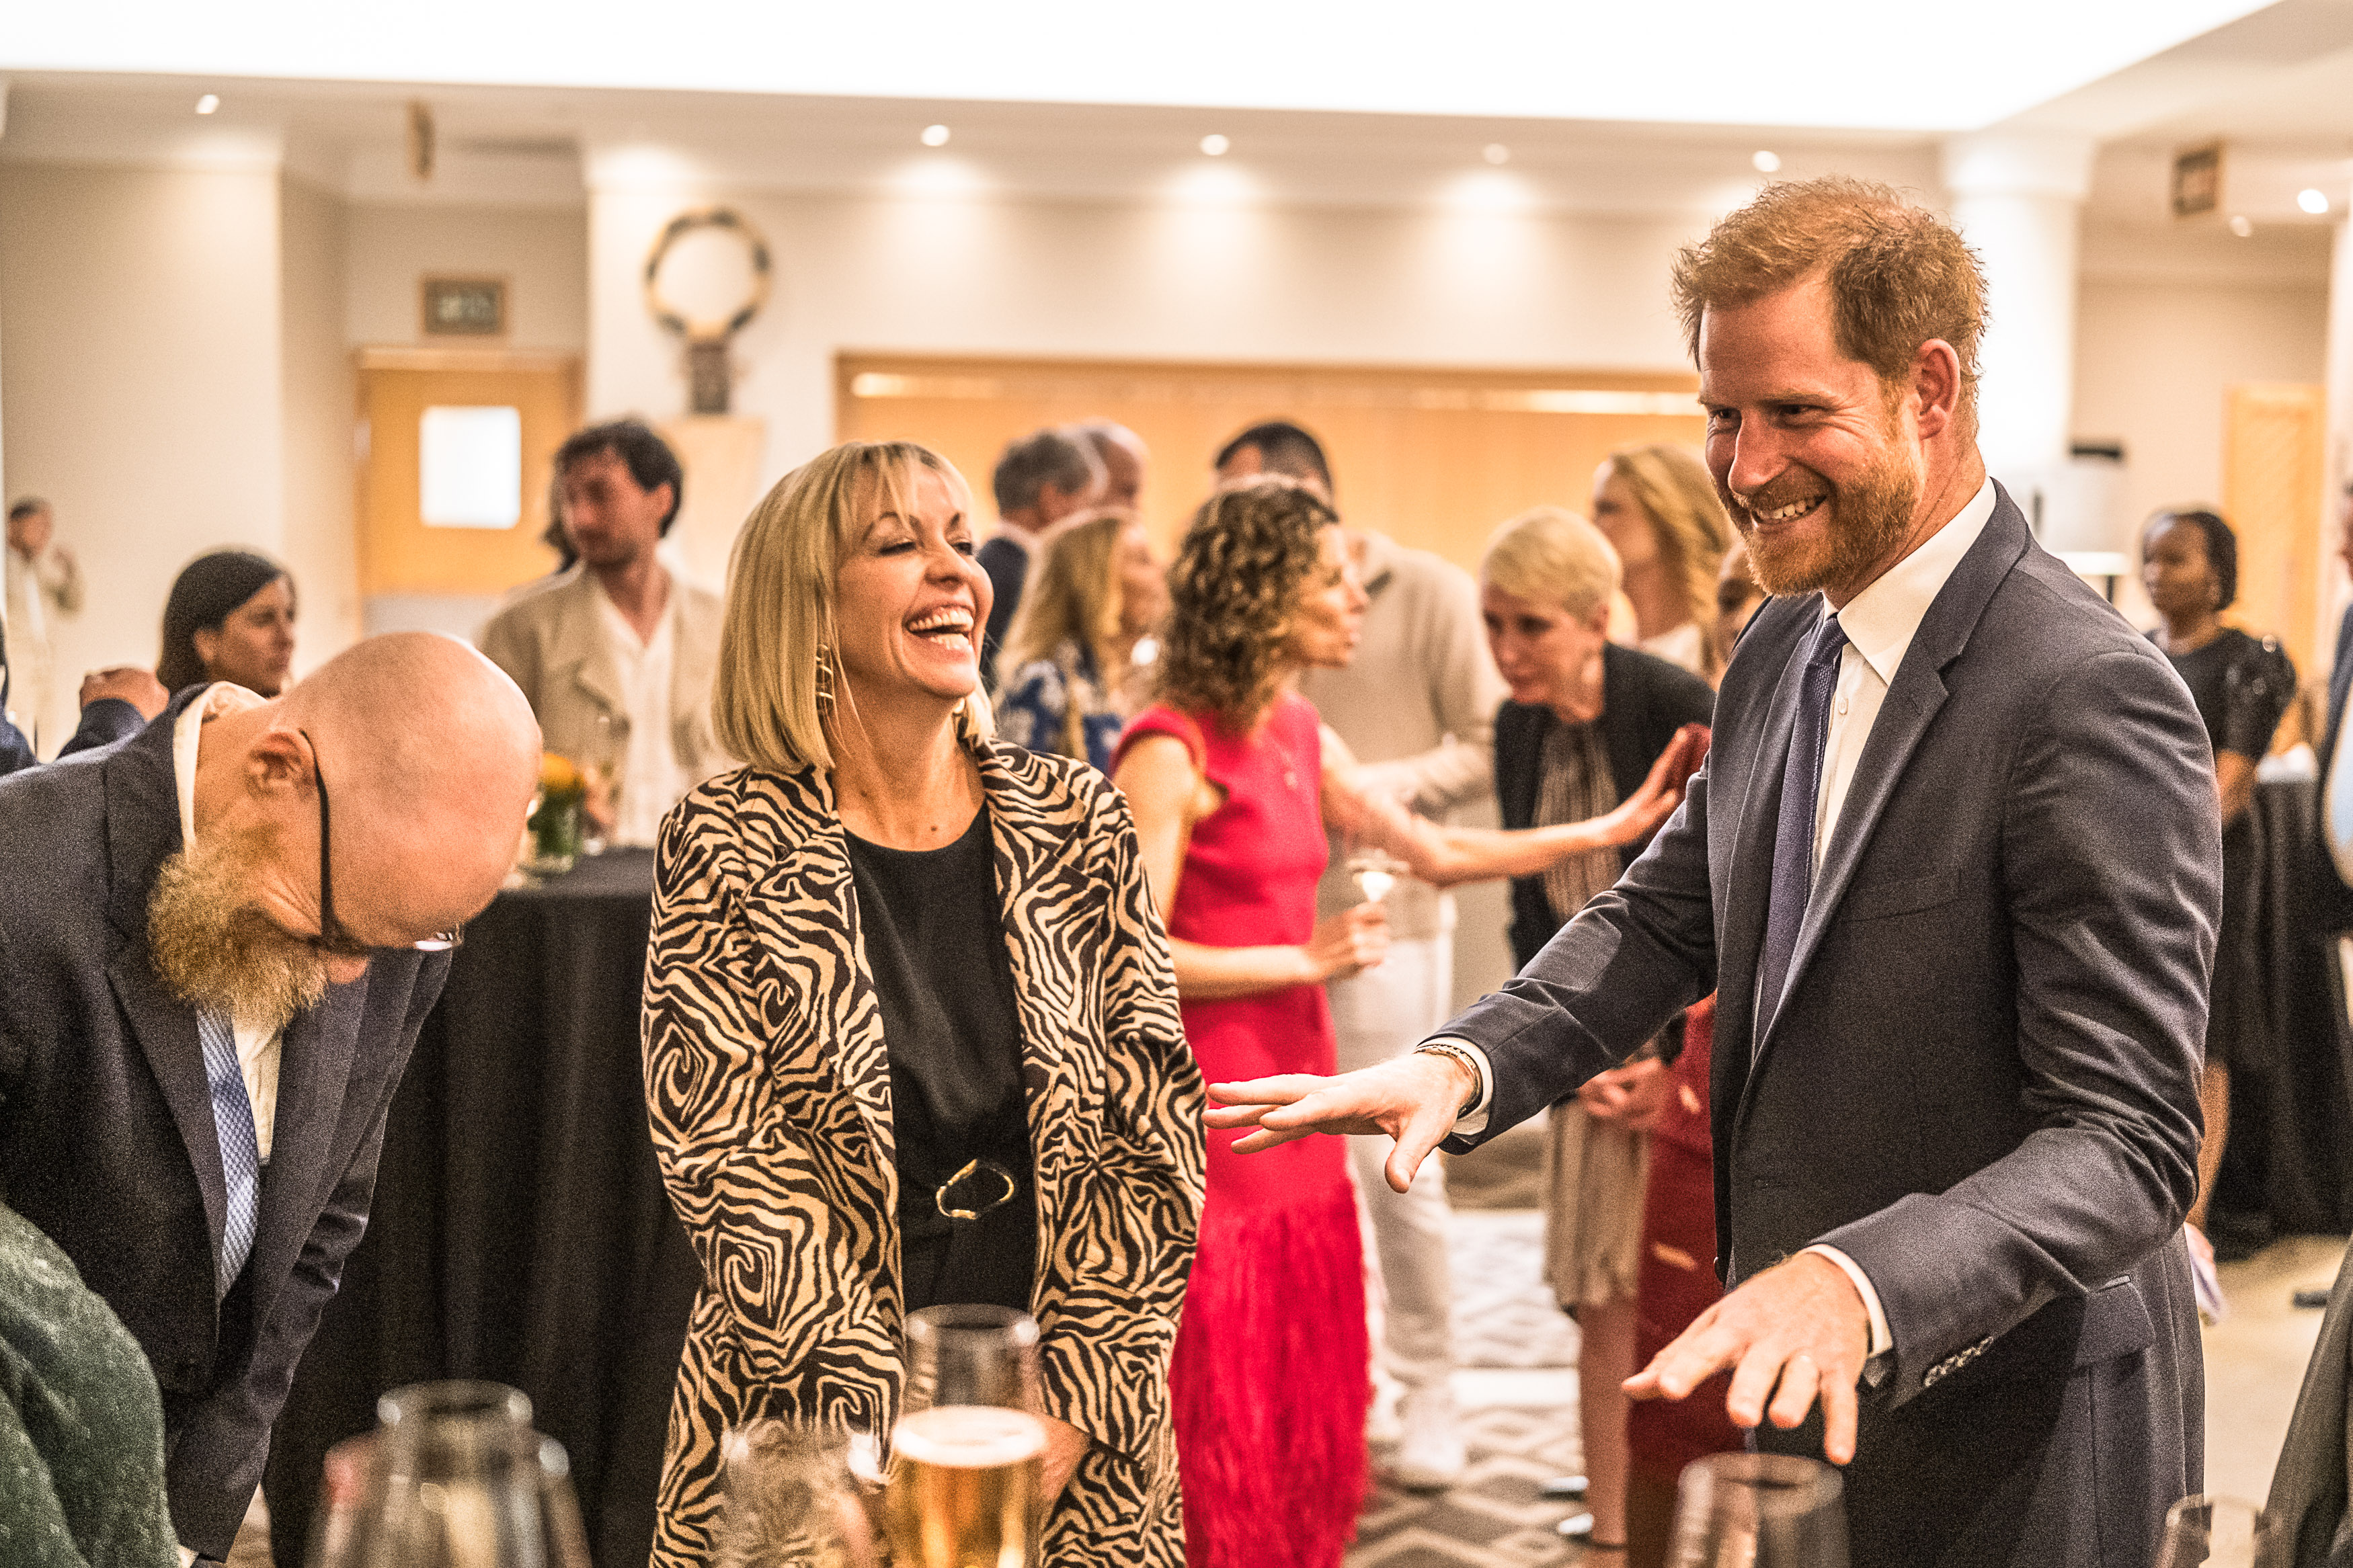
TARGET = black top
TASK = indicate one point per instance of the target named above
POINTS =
(1644, 700)
(2241, 686)
(936, 942)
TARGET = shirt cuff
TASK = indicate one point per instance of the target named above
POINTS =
(1473, 1122)
(187, 1556)
(1882, 1340)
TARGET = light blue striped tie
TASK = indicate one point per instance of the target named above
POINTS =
(240, 1151)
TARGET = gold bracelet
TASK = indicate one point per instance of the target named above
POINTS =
(1477, 1079)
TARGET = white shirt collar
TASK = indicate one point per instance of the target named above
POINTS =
(221, 696)
(1880, 621)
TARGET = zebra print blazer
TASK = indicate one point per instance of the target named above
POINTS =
(769, 1091)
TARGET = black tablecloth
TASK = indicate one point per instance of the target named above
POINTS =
(519, 1231)
(2288, 1168)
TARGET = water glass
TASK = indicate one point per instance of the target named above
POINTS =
(1759, 1510)
(793, 1499)
(2220, 1532)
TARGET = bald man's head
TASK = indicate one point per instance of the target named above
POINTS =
(431, 755)
(411, 756)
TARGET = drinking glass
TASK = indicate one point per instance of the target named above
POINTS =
(2222, 1532)
(600, 776)
(454, 1477)
(792, 1500)
(1759, 1510)
(962, 1488)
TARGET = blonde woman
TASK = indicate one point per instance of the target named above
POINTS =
(1587, 721)
(910, 1028)
(1658, 507)
(1096, 593)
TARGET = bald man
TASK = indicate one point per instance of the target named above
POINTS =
(220, 940)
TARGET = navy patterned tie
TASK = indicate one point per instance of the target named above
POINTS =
(1793, 837)
(240, 1150)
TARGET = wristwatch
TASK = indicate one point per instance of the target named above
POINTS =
(1461, 1054)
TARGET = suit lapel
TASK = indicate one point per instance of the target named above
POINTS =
(1750, 888)
(1913, 701)
(166, 1027)
(143, 831)
(314, 1065)
(583, 649)
(1039, 889)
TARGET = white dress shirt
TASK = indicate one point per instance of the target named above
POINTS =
(256, 1050)
(651, 781)
(1880, 622)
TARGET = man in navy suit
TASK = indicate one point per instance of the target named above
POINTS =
(220, 939)
(1954, 870)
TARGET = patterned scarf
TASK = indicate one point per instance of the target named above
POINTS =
(1574, 785)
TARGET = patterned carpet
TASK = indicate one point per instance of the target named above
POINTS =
(1517, 1390)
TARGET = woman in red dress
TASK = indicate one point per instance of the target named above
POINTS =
(1232, 781)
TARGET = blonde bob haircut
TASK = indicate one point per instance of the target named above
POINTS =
(773, 700)
(1553, 556)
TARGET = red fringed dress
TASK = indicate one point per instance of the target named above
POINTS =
(1272, 1375)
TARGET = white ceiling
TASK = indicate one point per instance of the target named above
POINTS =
(1850, 64)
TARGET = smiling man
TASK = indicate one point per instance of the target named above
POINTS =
(1952, 868)
(219, 941)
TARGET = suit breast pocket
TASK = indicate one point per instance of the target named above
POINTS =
(1880, 901)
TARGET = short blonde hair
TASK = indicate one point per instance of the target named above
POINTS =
(777, 642)
(1072, 592)
(1555, 556)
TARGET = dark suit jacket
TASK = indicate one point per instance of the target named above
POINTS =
(2332, 899)
(106, 1140)
(1008, 565)
(1644, 700)
(103, 722)
(1982, 1082)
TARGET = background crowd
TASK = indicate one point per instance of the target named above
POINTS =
(981, 851)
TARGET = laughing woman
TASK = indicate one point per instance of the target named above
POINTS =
(901, 971)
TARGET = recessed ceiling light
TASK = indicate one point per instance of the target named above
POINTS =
(2315, 201)
(208, 103)
(936, 135)
(2241, 226)
(1767, 163)
(1215, 145)
(1496, 152)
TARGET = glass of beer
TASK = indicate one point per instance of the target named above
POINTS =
(962, 1488)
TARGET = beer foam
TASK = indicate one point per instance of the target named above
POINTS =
(970, 1437)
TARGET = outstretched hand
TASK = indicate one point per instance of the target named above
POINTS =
(1795, 1333)
(1415, 1099)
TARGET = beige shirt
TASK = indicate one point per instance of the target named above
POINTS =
(36, 587)
(1417, 705)
(257, 1051)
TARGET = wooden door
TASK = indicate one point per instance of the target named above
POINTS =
(400, 551)
(2273, 496)
(1435, 458)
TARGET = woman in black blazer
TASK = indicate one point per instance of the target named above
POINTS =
(1586, 722)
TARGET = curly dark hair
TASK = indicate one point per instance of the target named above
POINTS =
(1232, 593)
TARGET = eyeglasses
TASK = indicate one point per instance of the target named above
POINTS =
(333, 939)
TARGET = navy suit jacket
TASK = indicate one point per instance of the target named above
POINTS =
(1008, 565)
(106, 1138)
(1982, 1081)
(2332, 898)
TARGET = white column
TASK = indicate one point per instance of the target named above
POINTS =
(2017, 197)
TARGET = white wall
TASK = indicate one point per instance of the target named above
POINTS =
(2154, 361)
(142, 379)
(320, 408)
(541, 252)
(956, 274)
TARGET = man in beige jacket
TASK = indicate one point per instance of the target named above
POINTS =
(616, 654)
